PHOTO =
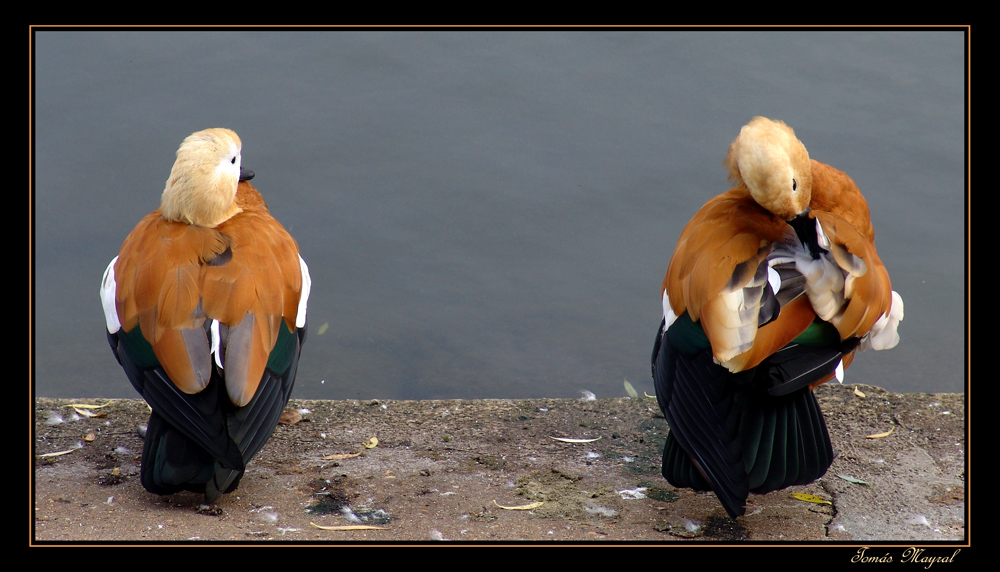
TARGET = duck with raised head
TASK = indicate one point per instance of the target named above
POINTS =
(772, 289)
(205, 307)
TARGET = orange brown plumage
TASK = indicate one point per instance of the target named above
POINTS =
(205, 306)
(771, 289)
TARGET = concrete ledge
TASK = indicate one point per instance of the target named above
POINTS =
(444, 470)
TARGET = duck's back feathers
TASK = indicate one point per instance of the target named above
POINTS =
(159, 274)
(244, 274)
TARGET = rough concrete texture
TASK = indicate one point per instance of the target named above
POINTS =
(446, 470)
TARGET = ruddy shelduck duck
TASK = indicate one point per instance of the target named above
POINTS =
(206, 311)
(773, 287)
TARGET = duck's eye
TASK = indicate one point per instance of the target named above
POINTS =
(233, 161)
(794, 185)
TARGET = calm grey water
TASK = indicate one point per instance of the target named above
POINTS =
(490, 214)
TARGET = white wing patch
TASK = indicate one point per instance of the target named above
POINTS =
(108, 291)
(216, 342)
(668, 312)
(773, 278)
(300, 315)
(883, 334)
(824, 279)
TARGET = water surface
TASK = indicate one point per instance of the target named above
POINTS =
(490, 214)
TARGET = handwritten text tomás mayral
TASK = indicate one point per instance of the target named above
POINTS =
(910, 555)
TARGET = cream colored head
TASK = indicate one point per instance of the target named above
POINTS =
(774, 165)
(202, 184)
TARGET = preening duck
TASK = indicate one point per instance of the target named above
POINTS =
(206, 311)
(771, 290)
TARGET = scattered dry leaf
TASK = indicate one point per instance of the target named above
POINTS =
(55, 454)
(568, 440)
(290, 417)
(89, 437)
(340, 457)
(859, 393)
(372, 443)
(349, 527)
(810, 498)
(528, 506)
(630, 390)
(88, 405)
(880, 435)
(853, 480)
(87, 413)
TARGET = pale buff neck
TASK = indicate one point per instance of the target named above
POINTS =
(199, 196)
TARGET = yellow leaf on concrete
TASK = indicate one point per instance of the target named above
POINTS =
(88, 405)
(810, 498)
(880, 435)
